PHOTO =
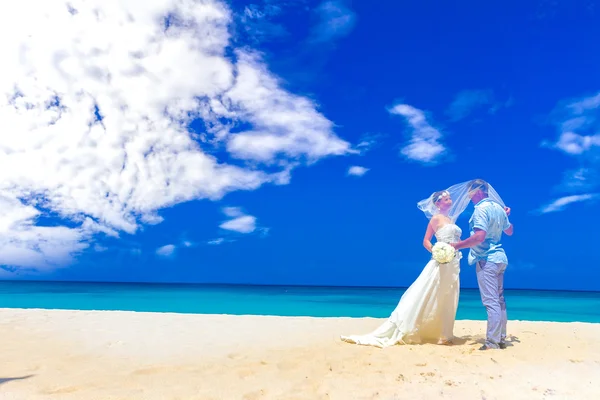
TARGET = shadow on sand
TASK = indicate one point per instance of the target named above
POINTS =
(16, 378)
(510, 339)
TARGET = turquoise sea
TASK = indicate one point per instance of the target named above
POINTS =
(533, 305)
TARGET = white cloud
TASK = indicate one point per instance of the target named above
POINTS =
(578, 125)
(424, 145)
(24, 244)
(244, 224)
(585, 104)
(66, 64)
(239, 222)
(233, 212)
(215, 242)
(580, 179)
(367, 143)
(357, 170)
(561, 203)
(284, 124)
(100, 248)
(575, 144)
(255, 21)
(336, 20)
(166, 250)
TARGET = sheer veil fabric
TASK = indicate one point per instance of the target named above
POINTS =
(460, 200)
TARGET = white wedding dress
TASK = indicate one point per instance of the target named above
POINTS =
(427, 310)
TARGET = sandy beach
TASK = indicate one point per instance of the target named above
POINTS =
(55, 354)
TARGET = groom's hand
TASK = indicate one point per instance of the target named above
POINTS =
(507, 211)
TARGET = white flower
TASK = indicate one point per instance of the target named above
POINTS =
(443, 253)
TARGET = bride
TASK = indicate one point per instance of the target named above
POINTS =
(426, 311)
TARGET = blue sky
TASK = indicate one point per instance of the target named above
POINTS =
(354, 112)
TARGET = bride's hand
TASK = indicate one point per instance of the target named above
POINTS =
(507, 210)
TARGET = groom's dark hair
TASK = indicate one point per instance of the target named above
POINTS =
(478, 184)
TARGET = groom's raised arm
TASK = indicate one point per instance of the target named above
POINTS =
(508, 226)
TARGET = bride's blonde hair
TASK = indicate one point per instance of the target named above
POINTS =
(436, 196)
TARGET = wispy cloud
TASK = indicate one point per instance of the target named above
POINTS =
(367, 143)
(424, 145)
(467, 101)
(335, 20)
(215, 242)
(357, 170)
(101, 141)
(580, 180)
(257, 21)
(166, 250)
(578, 124)
(99, 248)
(561, 203)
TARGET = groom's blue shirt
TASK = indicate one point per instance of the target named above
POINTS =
(490, 217)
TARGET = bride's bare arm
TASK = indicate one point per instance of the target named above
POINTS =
(429, 234)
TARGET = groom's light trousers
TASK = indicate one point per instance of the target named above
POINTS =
(490, 277)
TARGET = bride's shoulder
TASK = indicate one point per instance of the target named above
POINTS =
(440, 219)
(435, 220)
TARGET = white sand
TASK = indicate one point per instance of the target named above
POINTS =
(125, 355)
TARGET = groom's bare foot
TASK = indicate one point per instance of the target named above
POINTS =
(445, 342)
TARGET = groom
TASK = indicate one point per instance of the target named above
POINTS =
(487, 223)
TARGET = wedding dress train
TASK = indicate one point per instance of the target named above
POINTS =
(427, 310)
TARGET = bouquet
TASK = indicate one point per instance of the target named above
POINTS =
(443, 253)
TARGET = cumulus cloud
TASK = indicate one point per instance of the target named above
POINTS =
(424, 145)
(578, 125)
(96, 100)
(239, 221)
(357, 170)
(335, 20)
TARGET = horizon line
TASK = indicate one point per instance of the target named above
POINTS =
(268, 285)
